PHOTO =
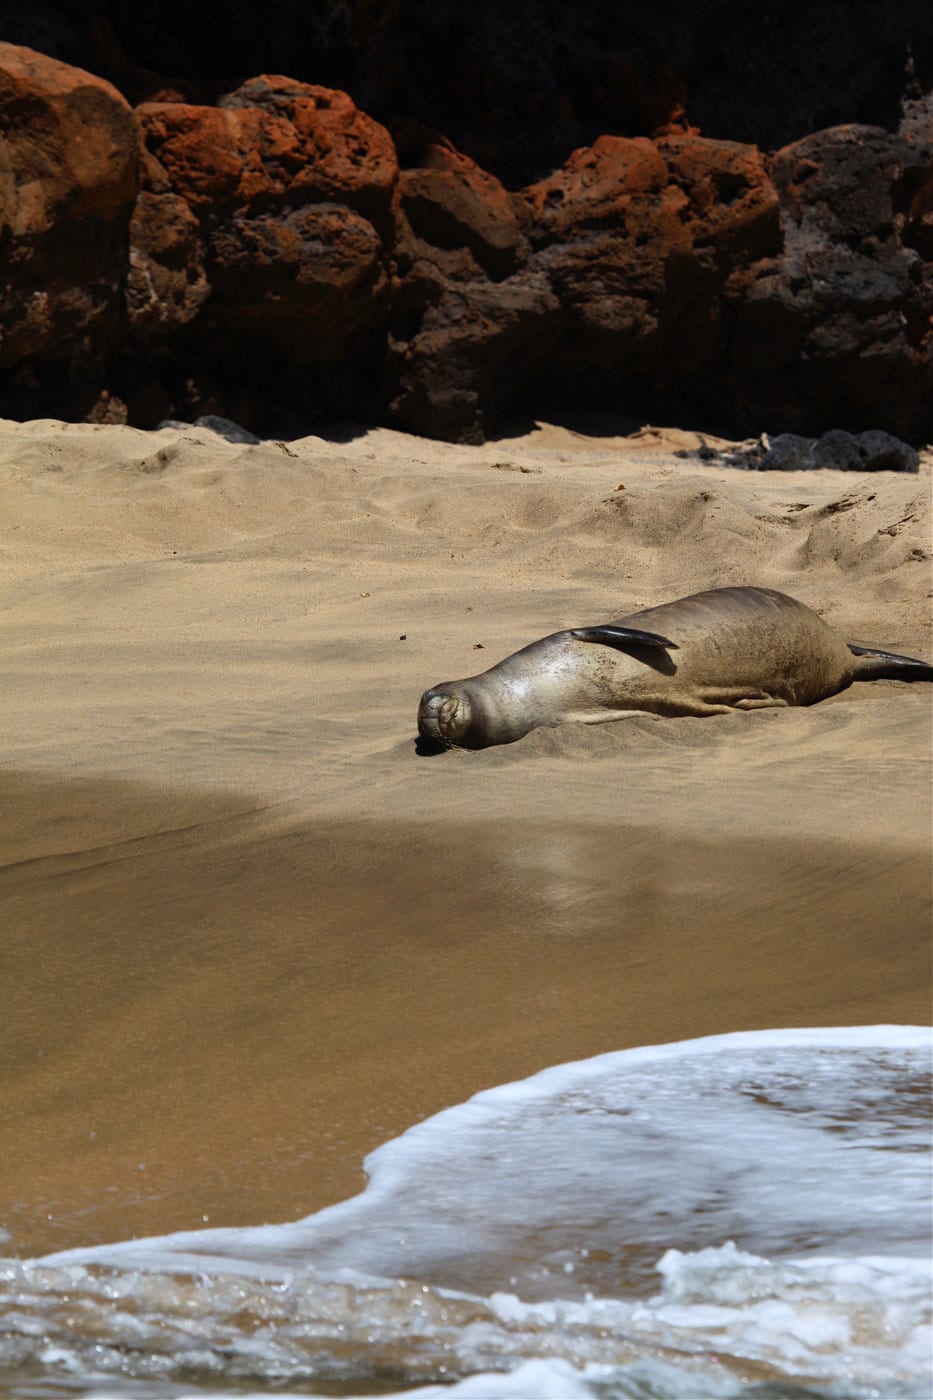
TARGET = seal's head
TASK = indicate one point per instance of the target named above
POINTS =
(445, 717)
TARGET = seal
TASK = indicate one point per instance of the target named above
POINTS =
(710, 653)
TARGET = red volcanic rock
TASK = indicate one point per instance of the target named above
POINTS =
(69, 142)
(732, 205)
(468, 324)
(207, 157)
(311, 282)
(166, 283)
(450, 203)
(67, 181)
(676, 192)
(639, 239)
(339, 152)
(272, 138)
(519, 85)
(262, 216)
(612, 183)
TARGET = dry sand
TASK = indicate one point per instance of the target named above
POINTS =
(249, 934)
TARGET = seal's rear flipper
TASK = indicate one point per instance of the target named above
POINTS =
(875, 664)
(621, 637)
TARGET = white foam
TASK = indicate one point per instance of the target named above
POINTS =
(526, 1221)
(739, 1136)
(852, 1328)
(533, 1380)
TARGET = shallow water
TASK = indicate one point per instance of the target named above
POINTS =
(779, 1181)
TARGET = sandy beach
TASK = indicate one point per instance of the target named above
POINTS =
(251, 934)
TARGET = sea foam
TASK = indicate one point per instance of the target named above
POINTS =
(680, 1220)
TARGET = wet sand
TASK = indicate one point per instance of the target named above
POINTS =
(221, 1019)
(250, 934)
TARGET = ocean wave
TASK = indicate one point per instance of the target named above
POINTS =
(743, 1211)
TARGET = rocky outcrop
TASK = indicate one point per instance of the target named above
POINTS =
(278, 258)
(298, 255)
(68, 178)
(639, 239)
(840, 321)
(447, 202)
(617, 292)
(262, 222)
(470, 322)
(476, 348)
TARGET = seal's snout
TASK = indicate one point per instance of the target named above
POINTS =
(443, 716)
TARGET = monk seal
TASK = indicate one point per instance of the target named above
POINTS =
(725, 649)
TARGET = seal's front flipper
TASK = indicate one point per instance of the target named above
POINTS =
(622, 637)
(773, 702)
(876, 664)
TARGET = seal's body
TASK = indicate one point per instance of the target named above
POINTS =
(726, 649)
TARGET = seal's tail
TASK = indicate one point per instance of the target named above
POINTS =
(873, 664)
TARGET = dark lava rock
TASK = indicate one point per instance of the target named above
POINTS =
(788, 452)
(883, 452)
(863, 452)
(838, 327)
